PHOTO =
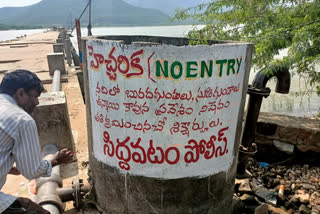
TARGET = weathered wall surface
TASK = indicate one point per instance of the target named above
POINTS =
(52, 119)
(147, 113)
(303, 133)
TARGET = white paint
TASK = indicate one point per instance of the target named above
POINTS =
(228, 117)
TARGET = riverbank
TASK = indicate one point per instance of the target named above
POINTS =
(32, 55)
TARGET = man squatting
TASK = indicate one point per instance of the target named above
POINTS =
(19, 141)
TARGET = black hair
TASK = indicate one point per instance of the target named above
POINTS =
(20, 79)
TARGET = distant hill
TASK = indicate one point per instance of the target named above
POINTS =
(166, 6)
(62, 12)
(8, 12)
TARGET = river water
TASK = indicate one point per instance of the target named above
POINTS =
(302, 99)
(12, 34)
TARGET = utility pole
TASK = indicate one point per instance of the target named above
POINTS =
(89, 25)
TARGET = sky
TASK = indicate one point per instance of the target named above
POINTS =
(17, 3)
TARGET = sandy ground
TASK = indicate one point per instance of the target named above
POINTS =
(33, 58)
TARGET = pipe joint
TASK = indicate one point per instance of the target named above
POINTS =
(54, 178)
(259, 92)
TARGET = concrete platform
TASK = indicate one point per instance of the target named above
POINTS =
(33, 57)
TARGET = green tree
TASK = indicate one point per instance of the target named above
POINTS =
(272, 25)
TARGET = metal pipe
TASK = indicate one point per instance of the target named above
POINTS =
(50, 194)
(89, 25)
(282, 76)
(257, 91)
(47, 186)
(66, 194)
(56, 86)
(51, 208)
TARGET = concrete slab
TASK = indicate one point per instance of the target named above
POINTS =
(52, 119)
(56, 62)
(58, 48)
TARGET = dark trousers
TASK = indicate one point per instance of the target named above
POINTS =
(16, 208)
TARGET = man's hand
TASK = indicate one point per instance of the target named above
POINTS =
(14, 171)
(61, 157)
(28, 205)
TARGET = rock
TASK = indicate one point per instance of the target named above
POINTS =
(276, 181)
(314, 180)
(288, 183)
(293, 186)
(290, 211)
(302, 197)
(262, 209)
(284, 147)
(292, 176)
(308, 174)
(298, 171)
(306, 166)
(315, 199)
(308, 187)
(304, 210)
(279, 171)
(276, 210)
(315, 210)
(293, 200)
(244, 185)
(300, 191)
(283, 208)
(246, 197)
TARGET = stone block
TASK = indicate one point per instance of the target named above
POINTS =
(266, 128)
(58, 48)
(59, 40)
(302, 132)
(284, 147)
(68, 51)
(262, 209)
(56, 62)
(52, 119)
